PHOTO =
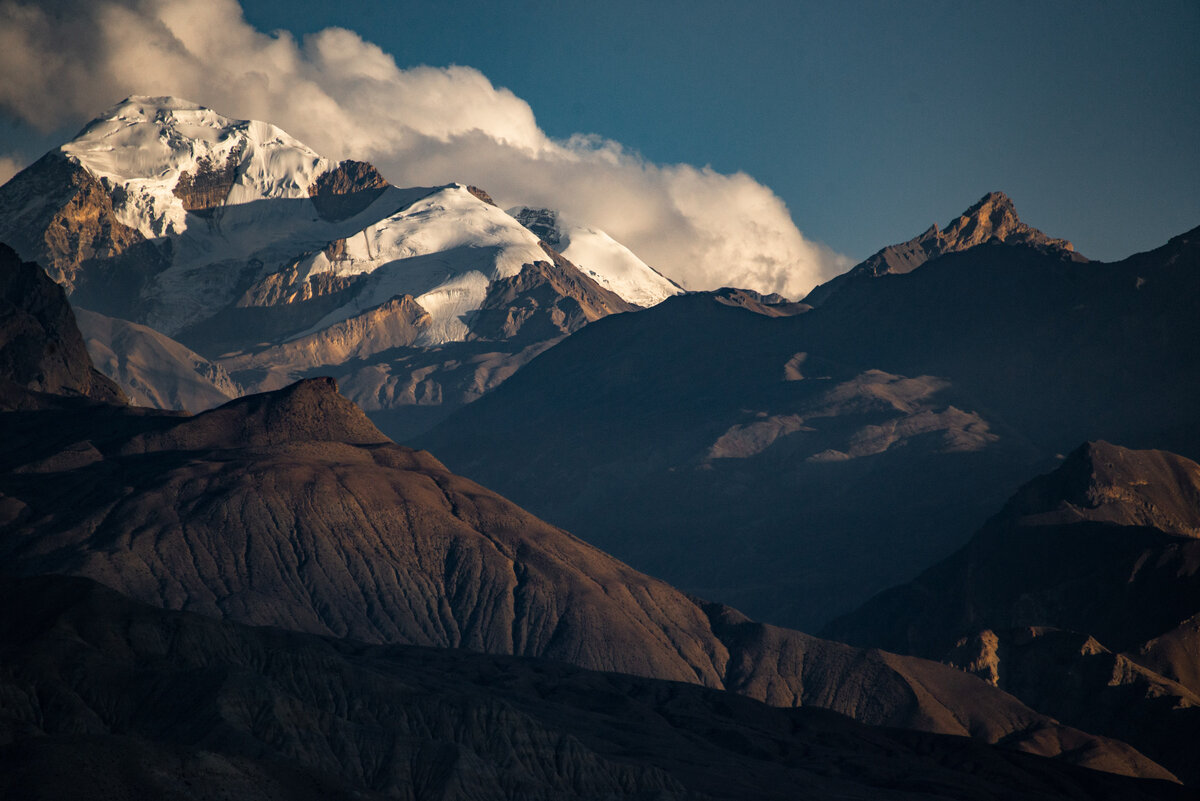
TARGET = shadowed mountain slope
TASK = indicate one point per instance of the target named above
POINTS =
(129, 701)
(795, 466)
(40, 346)
(155, 370)
(291, 509)
(1080, 597)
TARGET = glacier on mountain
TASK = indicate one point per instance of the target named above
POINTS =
(234, 199)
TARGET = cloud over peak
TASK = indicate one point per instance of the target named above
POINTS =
(64, 60)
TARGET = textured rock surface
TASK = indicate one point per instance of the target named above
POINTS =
(346, 190)
(204, 191)
(546, 300)
(398, 323)
(56, 213)
(106, 698)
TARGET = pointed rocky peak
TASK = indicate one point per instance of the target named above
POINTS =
(1100, 482)
(311, 410)
(547, 299)
(992, 219)
(995, 217)
(41, 348)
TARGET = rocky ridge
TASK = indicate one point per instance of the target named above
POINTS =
(993, 218)
(41, 348)
(93, 681)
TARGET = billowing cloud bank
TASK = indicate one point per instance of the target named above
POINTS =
(65, 60)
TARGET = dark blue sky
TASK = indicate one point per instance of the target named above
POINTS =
(870, 119)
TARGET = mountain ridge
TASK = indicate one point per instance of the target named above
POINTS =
(291, 509)
(992, 218)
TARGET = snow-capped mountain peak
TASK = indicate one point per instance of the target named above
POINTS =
(599, 256)
(170, 156)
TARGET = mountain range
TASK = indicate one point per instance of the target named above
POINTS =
(266, 596)
(846, 447)
(269, 262)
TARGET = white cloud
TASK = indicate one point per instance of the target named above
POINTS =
(9, 167)
(65, 60)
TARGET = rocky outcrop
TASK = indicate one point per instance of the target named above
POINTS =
(40, 346)
(1103, 483)
(482, 195)
(545, 300)
(56, 213)
(346, 190)
(993, 218)
(770, 305)
(543, 222)
(205, 190)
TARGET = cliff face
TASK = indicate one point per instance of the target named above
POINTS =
(56, 213)
(346, 190)
(204, 190)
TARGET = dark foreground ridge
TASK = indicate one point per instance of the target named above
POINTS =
(111, 699)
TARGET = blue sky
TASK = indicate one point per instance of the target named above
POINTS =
(870, 119)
